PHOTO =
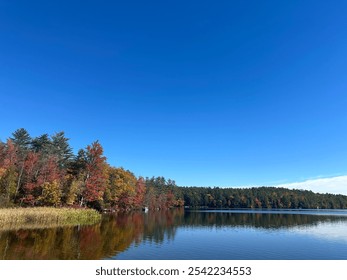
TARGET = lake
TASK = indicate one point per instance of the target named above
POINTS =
(186, 234)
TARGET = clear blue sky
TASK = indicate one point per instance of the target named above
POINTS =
(208, 93)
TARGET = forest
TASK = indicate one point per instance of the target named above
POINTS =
(44, 171)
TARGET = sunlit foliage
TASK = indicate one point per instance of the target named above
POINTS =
(42, 171)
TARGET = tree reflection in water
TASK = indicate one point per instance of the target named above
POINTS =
(115, 233)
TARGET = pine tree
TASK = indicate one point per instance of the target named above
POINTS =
(61, 149)
(42, 144)
(21, 139)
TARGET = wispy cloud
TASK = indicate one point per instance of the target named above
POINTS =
(335, 185)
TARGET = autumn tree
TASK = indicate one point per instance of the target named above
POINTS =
(8, 171)
(29, 191)
(150, 197)
(140, 191)
(51, 194)
(96, 179)
(121, 188)
(73, 190)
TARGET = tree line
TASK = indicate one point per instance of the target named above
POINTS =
(44, 171)
(261, 197)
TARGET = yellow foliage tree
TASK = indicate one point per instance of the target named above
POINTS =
(51, 194)
(8, 183)
(121, 187)
(74, 191)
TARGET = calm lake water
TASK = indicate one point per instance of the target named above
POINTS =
(179, 234)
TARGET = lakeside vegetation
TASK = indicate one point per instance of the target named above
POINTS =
(43, 171)
(43, 217)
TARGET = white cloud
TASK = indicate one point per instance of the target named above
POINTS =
(335, 185)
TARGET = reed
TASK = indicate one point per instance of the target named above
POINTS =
(41, 217)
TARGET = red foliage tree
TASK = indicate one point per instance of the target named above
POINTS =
(31, 170)
(96, 177)
(140, 193)
(49, 171)
(170, 200)
(37, 172)
(9, 155)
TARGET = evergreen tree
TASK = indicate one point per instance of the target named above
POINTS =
(61, 149)
(21, 139)
(42, 144)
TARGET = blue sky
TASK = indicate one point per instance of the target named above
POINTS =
(208, 93)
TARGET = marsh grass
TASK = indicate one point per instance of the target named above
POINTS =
(44, 217)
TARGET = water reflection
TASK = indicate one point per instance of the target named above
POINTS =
(117, 233)
(260, 219)
(336, 231)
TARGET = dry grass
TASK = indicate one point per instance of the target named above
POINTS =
(42, 217)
